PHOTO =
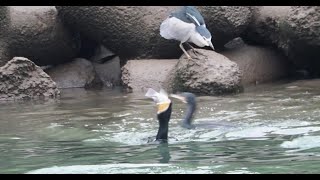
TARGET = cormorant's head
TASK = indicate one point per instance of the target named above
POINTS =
(190, 100)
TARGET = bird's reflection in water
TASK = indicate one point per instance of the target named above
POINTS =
(164, 152)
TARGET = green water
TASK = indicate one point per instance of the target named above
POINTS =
(268, 129)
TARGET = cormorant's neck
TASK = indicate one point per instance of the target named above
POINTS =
(163, 131)
(187, 120)
(164, 119)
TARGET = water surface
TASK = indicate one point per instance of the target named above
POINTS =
(267, 129)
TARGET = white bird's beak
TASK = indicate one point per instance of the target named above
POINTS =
(211, 45)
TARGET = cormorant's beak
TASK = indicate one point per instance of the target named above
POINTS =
(181, 98)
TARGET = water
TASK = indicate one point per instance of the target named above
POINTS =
(267, 129)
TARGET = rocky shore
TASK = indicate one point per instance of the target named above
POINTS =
(47, 48)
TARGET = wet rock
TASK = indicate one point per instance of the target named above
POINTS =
(225, 22)
(37, 33)
(131, 32)
(207, 73)
(76, 74)
(139, 75)
(21, 79)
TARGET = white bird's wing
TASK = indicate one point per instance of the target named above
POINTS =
(194, 18)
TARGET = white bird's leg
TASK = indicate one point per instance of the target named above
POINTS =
(193, 49)
(184, 51)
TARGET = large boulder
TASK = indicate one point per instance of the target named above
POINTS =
(207, 73)
(265, 27)
(302, 32)
(78, 73)
(37, 33)
(293, 29)
(139, 75)
(3, 12)
(225, 22)
(258, 64)
(4, 53)
(21, 79)
(132, 32)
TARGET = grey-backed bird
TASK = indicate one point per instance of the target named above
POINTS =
(186, 25)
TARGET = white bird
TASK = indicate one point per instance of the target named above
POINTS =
(186, 25)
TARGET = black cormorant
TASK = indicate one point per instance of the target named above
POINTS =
(190, 100)
(164, 106)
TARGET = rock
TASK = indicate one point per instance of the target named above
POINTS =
(76, 74)
(102, 54)
(22, 79)
(258, 64)
(3, 12)
(303, 22)
(302, 34)
(107, 66)
(207, 73)
(131, 32)
(265, 26)
(109, 72)
(37, 33)
(303, 85)
(225, 22)
(88, 47)
(235, 43)
(292, 29)
(139, 75)
(4, 53)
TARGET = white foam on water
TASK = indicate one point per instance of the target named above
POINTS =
(241, 171)
(15, 138)
(295, 131)
(302, 143)
(291, 123)
(54, 125)
(130, 138)
(101, 169)
(121, 115)
(209, 135)
(250, 132)
(127, 168)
